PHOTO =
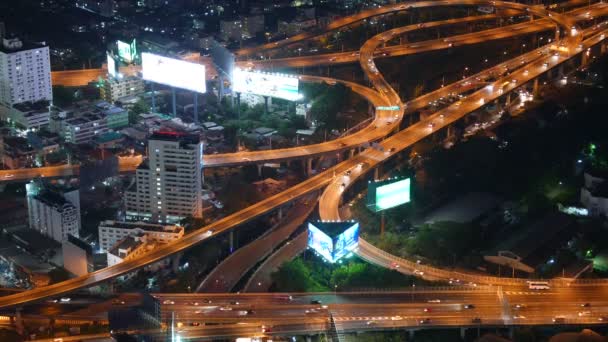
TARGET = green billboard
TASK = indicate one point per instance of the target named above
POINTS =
(389, 193)
(127, 51)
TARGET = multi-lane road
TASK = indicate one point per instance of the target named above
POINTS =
(385, 96)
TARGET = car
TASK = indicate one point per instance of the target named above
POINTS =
(396, 318)
(347, 173)
(370, 323)
(315, 301)
(65, 300)
(469, 306)
(418, 272)
(234, 302)
(118, 302)
(394, 265)
(431, 125)
(519, 306)
(427, 310)
(519, 317)
(266, 329)
(545, 65)
(476, 320)
(585, 305)
(603, 319)
(332, 59)
(514, 81)
(425, 321)
(584, 313)
(559, 320)
(225, 308)
(207, 301)
(250, 312)
(435, 301)
(168, 302)
(391, 150)
(195, 324)
(310, 311)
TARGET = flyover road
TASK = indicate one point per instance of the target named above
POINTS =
(331, 197)
(384, 121)
(125, 164)
(509, 31)
(370, 13)
(398, 141)
(228, 273)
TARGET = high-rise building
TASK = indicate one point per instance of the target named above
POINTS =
(53, 211)
(168, 186)
(25, 73)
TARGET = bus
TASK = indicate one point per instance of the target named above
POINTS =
(538, 285)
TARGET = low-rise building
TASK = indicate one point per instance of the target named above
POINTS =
(30, 115)
(128, 248)
(77, 256)
(17, 153)
(115, 88)
(594, 195)
(84, 122)
(110, 232)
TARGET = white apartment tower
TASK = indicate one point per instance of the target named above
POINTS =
(53, 212)
(25, 73)
(168, 187)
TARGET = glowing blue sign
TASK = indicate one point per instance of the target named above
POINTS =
(341, 245)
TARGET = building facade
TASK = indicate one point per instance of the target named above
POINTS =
(115, 88)
(111, 232)
(168, 187)
(53, 212)
(25, 73)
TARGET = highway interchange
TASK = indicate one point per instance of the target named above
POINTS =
(489, 302)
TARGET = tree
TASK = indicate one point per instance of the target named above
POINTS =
(139, 107)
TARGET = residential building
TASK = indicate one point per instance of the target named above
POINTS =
(105, 8)
(53, 211)
(111, 232)
(17, 153)
(25, 73)
(128, 248)
(168, 186)
(84, 123)
(115, 88)
(30, 115)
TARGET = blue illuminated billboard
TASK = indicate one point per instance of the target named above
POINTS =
(333, 240)
(388, 193)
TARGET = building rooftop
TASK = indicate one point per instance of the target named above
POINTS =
(182, 138)
(33, 107)
(12, 45)
(128, 244)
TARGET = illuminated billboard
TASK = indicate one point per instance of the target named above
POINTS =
(111, 66)
(127, 52)
(273, 85)
(333, 240)
(388, 193)
(173, 72)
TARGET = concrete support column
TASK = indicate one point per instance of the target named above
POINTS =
(410, 335)
(308, 338)
(260, 166)
(231, 238)
(584, 59)
(560, 70)
(556, 34)
(377, 173)
(174, 102)
(463, 332)
(508, 99)
(450, 131)
(352, 152)
(19, 322)
(535, 87)
(175, 261)
(309, 166)
(280, 213)
(603, 48)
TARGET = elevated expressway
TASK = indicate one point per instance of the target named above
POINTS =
(364, 160)
(403, 49)
(533, 68)
(385, 121)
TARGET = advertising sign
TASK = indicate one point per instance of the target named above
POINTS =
(127, 52)
(264, 84)
(388, 193)
(173, 72)
(346, 242)
(111, 65)
(320, 242)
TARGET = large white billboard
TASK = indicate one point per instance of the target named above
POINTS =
(111, 66)
(273, 85)
(173, 72)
